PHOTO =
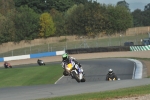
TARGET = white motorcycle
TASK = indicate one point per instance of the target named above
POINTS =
(75, 73)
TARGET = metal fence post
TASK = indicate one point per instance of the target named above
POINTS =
(51, 48)
(12, 52)
(25, 51)
(48, 47)
(30, 49)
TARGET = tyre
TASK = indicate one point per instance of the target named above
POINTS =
(72, 77)
(65, 74)
(76, 77)
(83, 80)
(5, 67)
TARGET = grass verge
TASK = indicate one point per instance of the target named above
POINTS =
(30, 75)
(107, 95)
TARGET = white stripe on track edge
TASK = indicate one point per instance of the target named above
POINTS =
(59, 79)
(138, 70)
(133, 76)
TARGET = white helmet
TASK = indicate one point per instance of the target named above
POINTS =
(110, 70)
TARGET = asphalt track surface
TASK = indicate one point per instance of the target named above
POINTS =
(95, 73)
(94, 83)
(96, 69)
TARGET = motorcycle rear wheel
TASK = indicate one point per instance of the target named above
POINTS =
(83, 80)
(65, 73)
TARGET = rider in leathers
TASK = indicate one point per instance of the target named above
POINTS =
(111, 75)
(67, 59)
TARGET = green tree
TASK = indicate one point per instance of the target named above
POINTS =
(6, 5)
(147, 7)
(80, 1)
(38, 6)
(67, 17)
(137, 18)
(41, 6)
(7, 31)
(59, 20)
(75, 21)
(86, 19)
(2, 35)
(146, 17)
(47, 25)
(119, 19)
(63, 5)
(9, 25)
(95, 19)
(26, 23)
(123, 3)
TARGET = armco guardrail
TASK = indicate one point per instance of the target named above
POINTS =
(38, 55)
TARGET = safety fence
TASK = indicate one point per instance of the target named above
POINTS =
(11, 49)
(77, 51)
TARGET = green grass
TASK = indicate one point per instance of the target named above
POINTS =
(107, 95)
(30, 75)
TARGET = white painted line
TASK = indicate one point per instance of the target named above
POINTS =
(59, 79)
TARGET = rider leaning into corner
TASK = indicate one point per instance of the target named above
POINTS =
(67, 59)
(111, 75)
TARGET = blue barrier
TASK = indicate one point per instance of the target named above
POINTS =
(38, 55)
(45, 54)
(1, 59)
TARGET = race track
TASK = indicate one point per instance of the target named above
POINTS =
(96, 69)
(95, 72)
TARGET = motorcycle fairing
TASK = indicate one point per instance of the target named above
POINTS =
(69, 66)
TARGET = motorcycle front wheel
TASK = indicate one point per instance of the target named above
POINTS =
(76, 77)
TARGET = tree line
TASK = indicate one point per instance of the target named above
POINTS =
(31, 19)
